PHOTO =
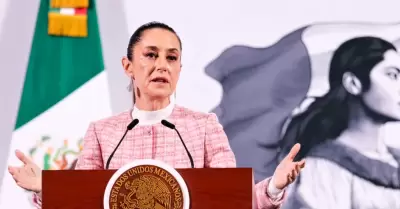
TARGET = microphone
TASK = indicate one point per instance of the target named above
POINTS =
(128, 128)
(172, 126)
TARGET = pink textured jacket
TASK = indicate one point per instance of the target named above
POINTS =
(202, 133)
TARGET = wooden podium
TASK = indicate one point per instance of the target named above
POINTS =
(209, 188)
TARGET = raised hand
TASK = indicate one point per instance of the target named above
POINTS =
(28, 176)
(288, 170)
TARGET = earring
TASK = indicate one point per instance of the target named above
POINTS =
(130, 86)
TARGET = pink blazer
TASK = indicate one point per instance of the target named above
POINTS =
(202, 133)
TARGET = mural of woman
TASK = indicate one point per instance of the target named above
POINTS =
(348, 165)
(264, 86)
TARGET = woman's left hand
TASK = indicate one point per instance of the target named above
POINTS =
(288, 170)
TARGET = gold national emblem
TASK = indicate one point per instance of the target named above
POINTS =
(146, 187)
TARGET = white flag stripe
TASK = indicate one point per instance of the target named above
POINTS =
(67, 120)
(67, 11)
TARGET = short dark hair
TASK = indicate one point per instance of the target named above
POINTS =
(137, 35)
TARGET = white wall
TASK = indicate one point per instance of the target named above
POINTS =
(208, 27)
(17, 23)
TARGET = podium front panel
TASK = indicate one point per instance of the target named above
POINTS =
(209, 188)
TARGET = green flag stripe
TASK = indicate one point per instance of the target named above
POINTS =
(58, 65)
(56, 10)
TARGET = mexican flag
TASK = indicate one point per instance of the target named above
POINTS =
(65, 88)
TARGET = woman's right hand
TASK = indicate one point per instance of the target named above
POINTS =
(28, 176)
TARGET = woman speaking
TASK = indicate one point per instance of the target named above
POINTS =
(153, 63)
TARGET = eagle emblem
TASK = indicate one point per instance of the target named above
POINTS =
(146, 192)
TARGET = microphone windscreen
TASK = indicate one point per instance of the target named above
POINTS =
(133, 124)
(168, 124)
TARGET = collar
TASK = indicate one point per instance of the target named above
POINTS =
(375, 171)
(153, 117)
